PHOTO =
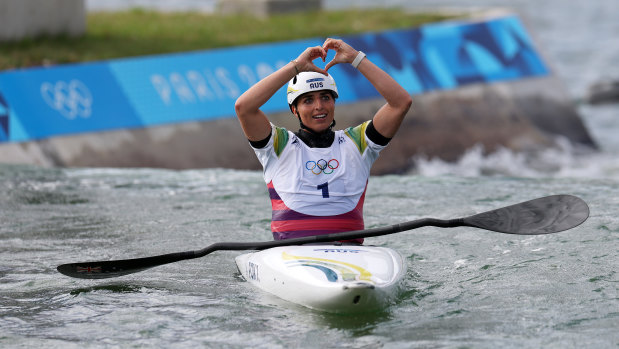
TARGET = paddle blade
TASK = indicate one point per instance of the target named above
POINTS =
(110, 269)
(550, 214)
(97, 270)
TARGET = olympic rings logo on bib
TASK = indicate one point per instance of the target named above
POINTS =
(322, 166)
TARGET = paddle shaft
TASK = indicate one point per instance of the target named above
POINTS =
(545, 215)
(108, 269)
(349, 235)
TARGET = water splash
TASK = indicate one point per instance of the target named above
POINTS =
(563, 161)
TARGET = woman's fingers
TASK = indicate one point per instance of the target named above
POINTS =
(311, 53)
(306, 59)
(333, 44)
(344, 53)
(330, 64)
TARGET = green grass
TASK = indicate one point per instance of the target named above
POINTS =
(140, 32)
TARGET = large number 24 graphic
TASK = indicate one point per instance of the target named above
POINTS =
(325, 189)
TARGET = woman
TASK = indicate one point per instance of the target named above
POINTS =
(317, 177)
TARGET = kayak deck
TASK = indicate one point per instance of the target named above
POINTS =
(332, 278)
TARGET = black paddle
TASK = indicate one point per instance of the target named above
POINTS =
(545, 215)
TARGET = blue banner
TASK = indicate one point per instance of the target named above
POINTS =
(64, 100)
(140, 92)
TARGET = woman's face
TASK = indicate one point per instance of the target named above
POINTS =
(316, 110)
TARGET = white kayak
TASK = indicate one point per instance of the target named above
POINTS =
(331, 278)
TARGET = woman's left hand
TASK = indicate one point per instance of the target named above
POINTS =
(344, 53)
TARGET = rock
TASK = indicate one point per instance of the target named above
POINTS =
(603, 92)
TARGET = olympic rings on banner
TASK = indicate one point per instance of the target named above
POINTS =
(322, 166)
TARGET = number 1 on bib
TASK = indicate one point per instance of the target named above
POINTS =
(325, 189)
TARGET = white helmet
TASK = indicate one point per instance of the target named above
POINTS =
(308, 82)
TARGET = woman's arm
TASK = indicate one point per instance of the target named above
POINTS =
(254, 122)
(389, 117)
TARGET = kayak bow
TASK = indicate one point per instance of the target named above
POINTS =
(330, 278)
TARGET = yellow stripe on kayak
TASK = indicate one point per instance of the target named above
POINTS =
(363, 273)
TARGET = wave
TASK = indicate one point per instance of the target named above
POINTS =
(563, 161)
